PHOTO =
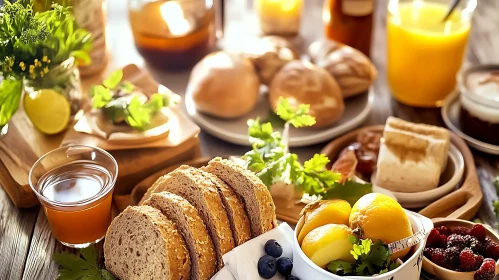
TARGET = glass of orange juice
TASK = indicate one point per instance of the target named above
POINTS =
(424, 53)
(74, 185)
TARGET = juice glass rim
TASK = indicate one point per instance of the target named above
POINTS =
(470, 6)
(109, 186)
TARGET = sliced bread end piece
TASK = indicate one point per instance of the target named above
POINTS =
(258, 202)
(141, 243)
(189, 222)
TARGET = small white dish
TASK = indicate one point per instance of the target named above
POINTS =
(449, 180)
(451, 110)
(304, 268)
(236, 130)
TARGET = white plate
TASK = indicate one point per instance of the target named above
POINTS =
(236, 130)
(451, 110)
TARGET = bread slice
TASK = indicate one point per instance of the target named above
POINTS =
(186, 217)
(189, 183)
(239, 222)
(141, 243)
(257, 200)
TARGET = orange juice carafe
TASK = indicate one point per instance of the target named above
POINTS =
(424, 53)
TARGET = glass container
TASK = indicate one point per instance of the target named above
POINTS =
(279, 17)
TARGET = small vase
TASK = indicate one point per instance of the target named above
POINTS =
(64, 79)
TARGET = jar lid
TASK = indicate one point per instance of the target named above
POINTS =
(480, 83)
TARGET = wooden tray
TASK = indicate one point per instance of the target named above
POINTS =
(460, 204)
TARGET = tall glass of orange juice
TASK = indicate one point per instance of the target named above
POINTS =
(424, 53)
(75, 185)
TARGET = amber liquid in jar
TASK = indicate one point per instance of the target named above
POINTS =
(349, 22)
(76, 183)
(178, 45)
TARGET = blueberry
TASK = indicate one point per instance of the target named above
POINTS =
(272, 248)
(284, 266)
(291, 277)
(267, 267)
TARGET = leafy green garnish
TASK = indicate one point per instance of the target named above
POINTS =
(371, 258)
(495, 203)
(73, 267)
(10, 94)
(113, 97)
(273, 163)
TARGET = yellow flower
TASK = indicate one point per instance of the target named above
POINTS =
(45, 70)
(48, 61)
(44, 58)
(22, 65)
(32, 69)
(41, 73)
(36, 61)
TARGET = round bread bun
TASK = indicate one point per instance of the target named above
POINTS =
(224, 85)
(271, 53)
(304, 83)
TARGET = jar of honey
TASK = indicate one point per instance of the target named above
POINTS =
(173, 34)
(349, 22)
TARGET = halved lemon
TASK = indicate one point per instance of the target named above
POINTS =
(48, 110)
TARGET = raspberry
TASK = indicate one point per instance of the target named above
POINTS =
(451, 256)
(492, 250)
(467, 260)
(455, 240)
(434, 239)
(478, 261)
(486, 271)
(461, 231)
(479, 232)
(444, 230)
(437, 257)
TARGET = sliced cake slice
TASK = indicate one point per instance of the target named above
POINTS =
(239, 222)
(189, 183)
(141, 243)
(257, 200)
(189, 222)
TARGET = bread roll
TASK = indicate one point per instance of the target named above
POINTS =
(353, 70)
(305, 83)
(271, 53)
(224, 85)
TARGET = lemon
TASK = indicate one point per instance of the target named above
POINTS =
(379, 217)
(323, 212)
(328, 243)
(48, 110)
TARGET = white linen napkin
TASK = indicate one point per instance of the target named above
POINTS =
(242, 261)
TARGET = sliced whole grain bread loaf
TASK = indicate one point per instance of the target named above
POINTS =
(189, 183)
(141, 243)
(151, 189)
(238, 219)
(189, 222)
(257, 199)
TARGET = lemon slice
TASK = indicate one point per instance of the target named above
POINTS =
(48, 110)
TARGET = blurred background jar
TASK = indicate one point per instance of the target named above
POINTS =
(173, 34)
(279, 17)
(349, 22)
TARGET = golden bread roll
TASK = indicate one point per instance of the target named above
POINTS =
(224, 85)
(353, 70)
(271, 53)
(304, 83)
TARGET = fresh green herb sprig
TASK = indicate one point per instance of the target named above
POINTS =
(73, 267)
(370, 259)
(115, 99)
(273, 163)
(495, 203)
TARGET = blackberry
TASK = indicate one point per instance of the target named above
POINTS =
(455, 240)
(474, 244)
(451, 257)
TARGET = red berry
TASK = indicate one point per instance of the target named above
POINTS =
(437, 257)
(444, 230)
(486, 271)
(492, 250)
(455, 240)
(434, 239)
(479, 232)
(467, 260)
(478, 261)
(461, 231)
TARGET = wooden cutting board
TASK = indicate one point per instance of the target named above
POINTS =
(460, 204)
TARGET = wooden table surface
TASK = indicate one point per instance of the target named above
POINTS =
(26, 244)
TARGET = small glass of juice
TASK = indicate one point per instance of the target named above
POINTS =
(75, 185)
(424, 53)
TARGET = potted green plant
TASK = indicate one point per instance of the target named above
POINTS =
(39, 53)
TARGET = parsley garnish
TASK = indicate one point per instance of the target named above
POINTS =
(113, 96)
(371, 258)
(495, 203)
(273, 163)
(76, 268)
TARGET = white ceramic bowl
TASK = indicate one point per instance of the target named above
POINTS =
(450, 178)
(304, 268)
